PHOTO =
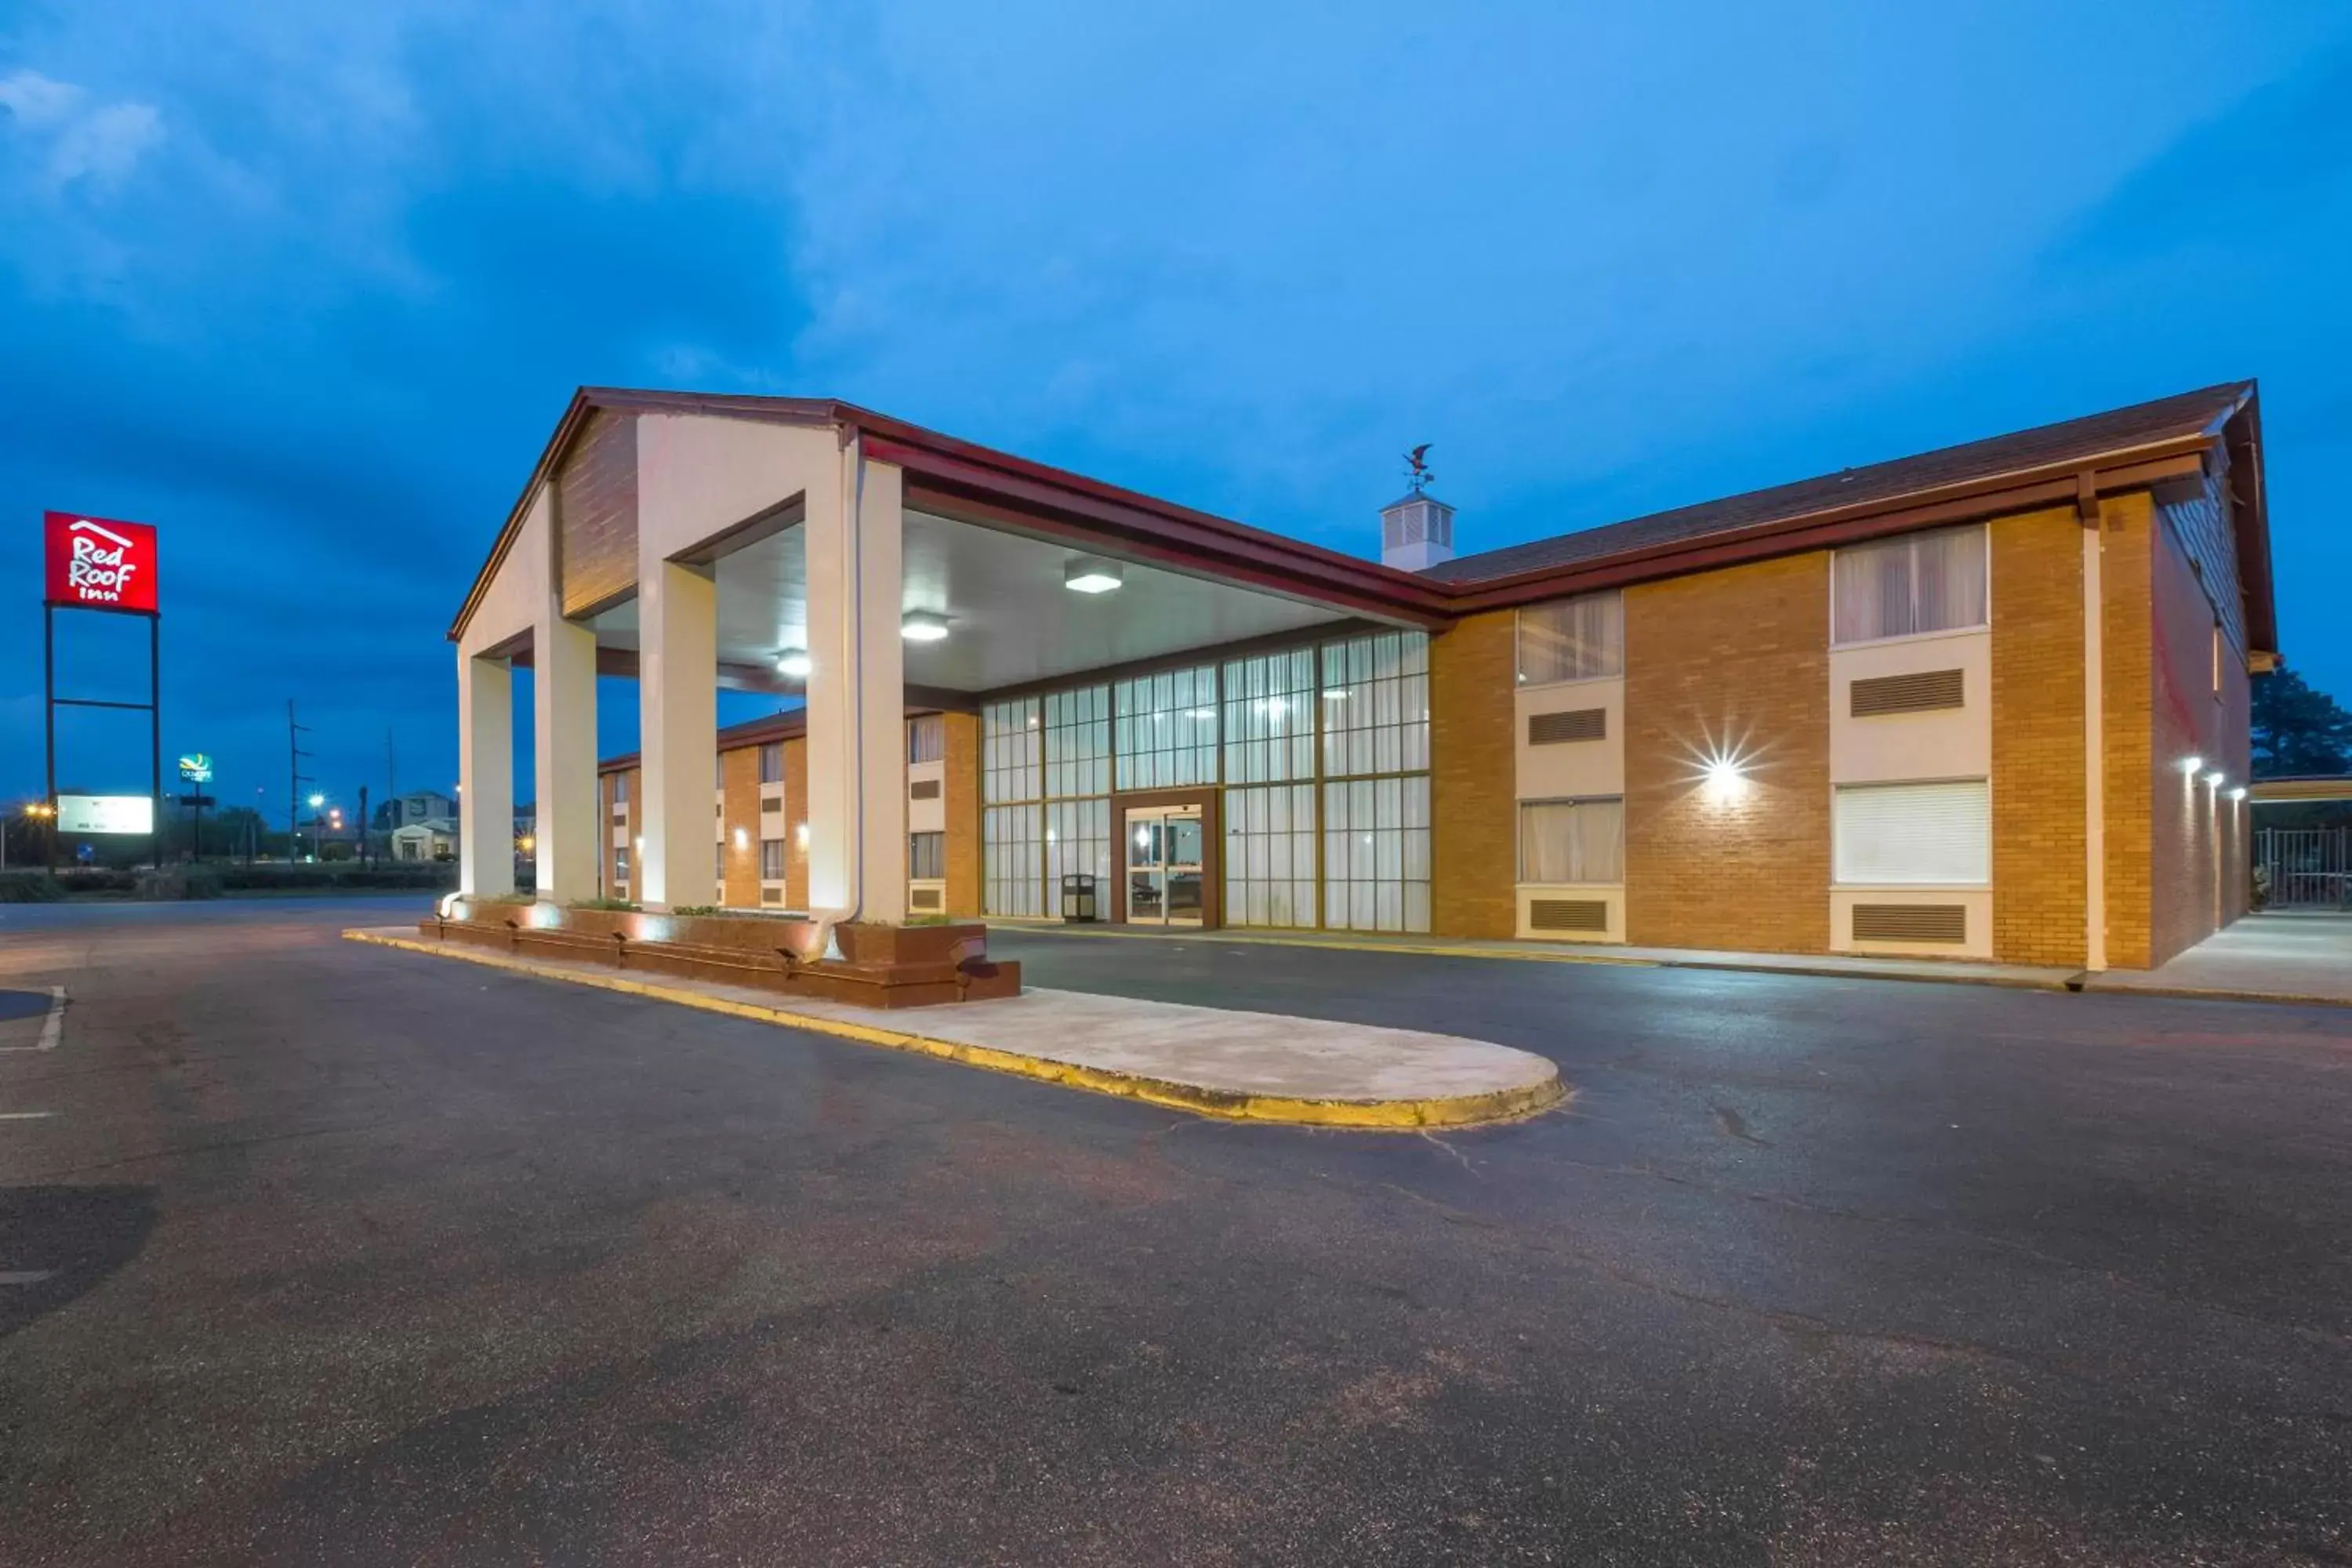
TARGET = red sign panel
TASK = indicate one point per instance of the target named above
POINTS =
(97, 563)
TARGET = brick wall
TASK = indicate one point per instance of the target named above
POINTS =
(2127, 651)
(1472, 778)
(739, 780)
(1737, 657)
(963, 800)
(796, 870)
(2197, 877)
(2037, 737)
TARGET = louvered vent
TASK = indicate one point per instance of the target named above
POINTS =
(1911, 922)
(1568, 915)
(926, 899)
(923, 789)
(1582, 725)
(1923, 692)
(771, 895)
(771, 800)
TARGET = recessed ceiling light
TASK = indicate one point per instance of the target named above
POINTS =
(921, 625)
(792, 661)
(1092, 575)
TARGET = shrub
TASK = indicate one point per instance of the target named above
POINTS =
(32, 887)
(179, 882)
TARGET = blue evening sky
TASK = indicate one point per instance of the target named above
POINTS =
(307, 286)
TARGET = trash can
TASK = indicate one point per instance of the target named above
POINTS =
(1078, 897)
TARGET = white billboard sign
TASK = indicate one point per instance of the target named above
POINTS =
(106, 814)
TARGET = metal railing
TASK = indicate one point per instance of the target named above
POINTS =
(2306, 868)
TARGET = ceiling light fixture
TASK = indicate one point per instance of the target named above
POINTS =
(1092, 575)
(2214, 779)
(795, 662)
(921, 625)
(2190, 764)
(2239, 792)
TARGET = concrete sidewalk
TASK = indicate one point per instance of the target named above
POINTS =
(2289, 955)
(1849, 966)
(1251, 1067)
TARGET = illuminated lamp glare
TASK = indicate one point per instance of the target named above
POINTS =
(2190, 764)
(2213, 779)
(793, 662)
(921, 625)
(2239, 792)
(1092, 575)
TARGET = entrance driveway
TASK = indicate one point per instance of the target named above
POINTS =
(324, 1254)
(2303, 954)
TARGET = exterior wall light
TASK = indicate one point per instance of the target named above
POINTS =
(799, 834)
(1725, 780)
(795, 662)
(2214, 780)
(1092, 575)
(742, 838)
(2190, 764)
(921, 625)
(2239, 792)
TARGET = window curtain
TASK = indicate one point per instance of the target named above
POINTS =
(1572, 841)
(1930, 582)
(1572, 639)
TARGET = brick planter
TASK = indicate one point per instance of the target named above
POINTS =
(880, 967)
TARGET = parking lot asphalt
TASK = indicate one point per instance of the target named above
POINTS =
(312, 1253)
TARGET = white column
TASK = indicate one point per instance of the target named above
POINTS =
(485, 775)
(856, 696)
(563, 730)
(678, 699)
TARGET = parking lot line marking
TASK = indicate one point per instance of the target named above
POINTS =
(24, 1115)
(24, 1276)
(52, 1027)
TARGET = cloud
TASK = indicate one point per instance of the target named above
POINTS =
(97, 142)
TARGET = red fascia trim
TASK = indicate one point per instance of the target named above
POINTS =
(1820, 529)
(1171, 539)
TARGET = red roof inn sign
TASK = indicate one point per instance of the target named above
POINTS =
(97, 563)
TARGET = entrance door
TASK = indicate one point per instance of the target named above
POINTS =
(1164, 865)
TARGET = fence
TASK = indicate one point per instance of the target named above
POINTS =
(2306, 867)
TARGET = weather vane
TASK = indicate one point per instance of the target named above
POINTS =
(1416, 467)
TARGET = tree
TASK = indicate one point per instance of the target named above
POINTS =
(2298, 729)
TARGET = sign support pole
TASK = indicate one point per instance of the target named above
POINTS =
(155, 724)
(49, 718)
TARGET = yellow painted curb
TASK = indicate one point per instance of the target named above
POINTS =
(1458, 1111)
(1335, 943)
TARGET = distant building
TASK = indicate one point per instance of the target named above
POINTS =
(423, 805)
(425, 841)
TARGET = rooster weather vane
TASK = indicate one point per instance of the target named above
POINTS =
(1416, 467)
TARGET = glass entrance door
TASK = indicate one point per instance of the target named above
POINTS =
(1164, 865)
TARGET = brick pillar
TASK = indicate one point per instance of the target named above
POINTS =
(1472, 778)
(2037, 738)
(962, 794)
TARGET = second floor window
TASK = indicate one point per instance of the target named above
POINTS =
(1933, 581)
(927, 739)
(1572, 639)
(772, 762)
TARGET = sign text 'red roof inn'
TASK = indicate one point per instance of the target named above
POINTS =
(97, 563)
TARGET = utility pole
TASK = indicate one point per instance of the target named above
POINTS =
(365, 828)
(295, 778)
